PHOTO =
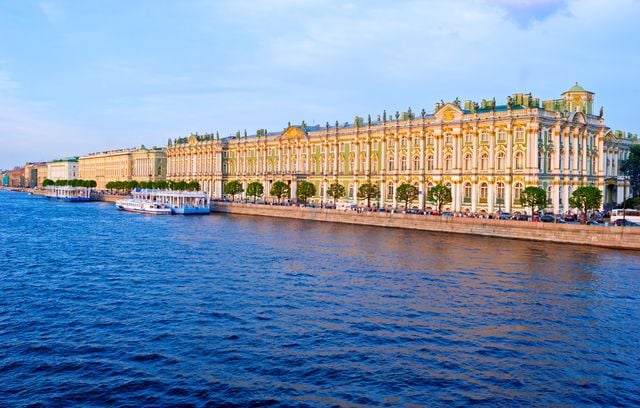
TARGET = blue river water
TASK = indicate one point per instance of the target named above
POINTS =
(105, 308)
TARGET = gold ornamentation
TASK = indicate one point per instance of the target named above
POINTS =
(448, 116)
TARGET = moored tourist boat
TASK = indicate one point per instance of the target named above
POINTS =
(68, 193)
(142, 206)
(180, 202)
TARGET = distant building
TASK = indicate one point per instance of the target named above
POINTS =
(5, 178)
(123, 165)
(63, 169)
(16, 177)
(486, 153)
(35, 174)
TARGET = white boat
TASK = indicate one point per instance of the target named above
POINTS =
(180, 202)
(68, 193)
(142, 206)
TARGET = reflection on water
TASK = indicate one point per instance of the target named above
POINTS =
(103, 307)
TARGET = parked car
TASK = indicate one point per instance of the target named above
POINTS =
(547, 218)
(415, 211)
(625, 223)
(447, 214)
(594, 222)
(505, 216)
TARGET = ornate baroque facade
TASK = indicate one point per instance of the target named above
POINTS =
(123, 165)
(487, 154)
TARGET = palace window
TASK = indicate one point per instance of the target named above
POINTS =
(430, 140)
(403, 142)
(484, 192)
(448, 139)
(447, 162)
(517, 192)
(467, 138)
(519, 135)
(519, 159)
(403, 163)
(374, 165)
(484, 137)
(500, 192)
(500, 161)
(467, 192)
(484, 161)
(392, 163)
(390, 190)
(416, 162)
(468, 161)
(429, 187)
(430, 162)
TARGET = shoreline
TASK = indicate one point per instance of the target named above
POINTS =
(627, 238)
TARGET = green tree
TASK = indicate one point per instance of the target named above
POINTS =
(406, 193)
(368, 191)
(48, 182)
(305, 190)
(193, 186)
(336, 191)
(586, 198)
(533, 197)
(255, 189)
(279, 189)
(161, 184)
(440, 195)
(631, 168)
(233, 188)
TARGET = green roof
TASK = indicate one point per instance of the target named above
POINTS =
(577, 88)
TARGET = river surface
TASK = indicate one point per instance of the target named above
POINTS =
(106, 308)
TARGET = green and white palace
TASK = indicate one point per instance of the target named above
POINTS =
(484, 152)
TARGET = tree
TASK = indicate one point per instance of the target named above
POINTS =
(440, 195)
(48, 182)
(279, 189)
(368, 191)
(193, 186)
(232, 188)
(586, 198)
(631, 168)
(255, 189)
(406, 193)
(305, 190)
(336, 191)
(533, 197)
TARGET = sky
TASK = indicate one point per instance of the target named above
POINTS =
(78, 77)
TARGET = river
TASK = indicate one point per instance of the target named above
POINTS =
(101, 307)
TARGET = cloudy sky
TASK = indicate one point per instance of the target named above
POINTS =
(84, 76)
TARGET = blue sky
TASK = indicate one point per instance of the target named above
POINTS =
(83, 76)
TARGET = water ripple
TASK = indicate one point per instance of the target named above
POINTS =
(102, 308)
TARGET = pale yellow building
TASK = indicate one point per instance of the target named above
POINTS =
(123, 165)
(63, 169)
(484, 152)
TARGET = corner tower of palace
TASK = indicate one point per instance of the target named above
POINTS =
(484, 152)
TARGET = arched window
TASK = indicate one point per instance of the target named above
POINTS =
(352, 163)
(500, 161)
(519, 159)
(363, 163)
(517, 192)
(403, 163)
(416, 162)
(374, 165)
(392, 163)
(403, 142)
(484, 192)
(350, 191)
(500, 193)
(468, 161)
(549, 196)
(390, 190)
(484, 161)
(484, 137)
(429, 187)
(430, 162)
(447, 162)
(467, 192)
(312, 170)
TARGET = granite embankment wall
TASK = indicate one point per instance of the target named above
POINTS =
(601, 236)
